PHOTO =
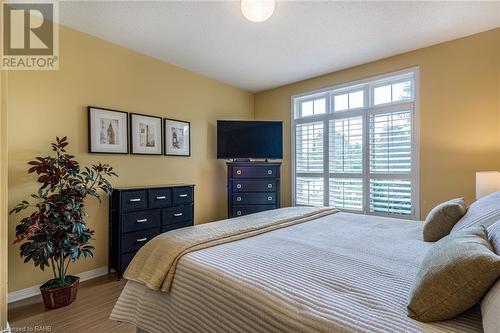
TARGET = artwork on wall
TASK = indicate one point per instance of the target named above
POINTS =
(177, 137)
(108, 131)
(145, 134)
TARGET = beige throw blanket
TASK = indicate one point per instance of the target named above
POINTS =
(154, 265)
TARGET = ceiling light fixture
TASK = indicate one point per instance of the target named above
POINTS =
(257, 10)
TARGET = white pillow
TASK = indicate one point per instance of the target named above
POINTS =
(484, 211)
(490, 309)
(494, 236)
(490, 305)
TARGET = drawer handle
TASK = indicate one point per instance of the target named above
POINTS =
(135, 200)
(238, 185)
(269, 198)
(238, 198)
(140, 240)
(177, 214)
(238, 172)
(238, 213)
(183, 195)
(269, 185)
(142, 221)
(269, 172)
(161, 198)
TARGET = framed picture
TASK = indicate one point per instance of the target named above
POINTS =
(177, 137)
(145, 135)
(108, 131)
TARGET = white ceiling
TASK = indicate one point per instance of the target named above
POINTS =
(301, 40)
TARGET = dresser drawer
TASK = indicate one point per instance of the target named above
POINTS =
(255, 172)
(245, 210)
(160, 197)
(254, 198)
(133, 241)
(177, 214)
(146, 219)
(181, 195)
(254, 185)
(137, 215)
(169, 227)
(131, 200)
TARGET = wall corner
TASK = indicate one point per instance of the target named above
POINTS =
(3, 202)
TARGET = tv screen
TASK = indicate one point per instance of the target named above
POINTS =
(249, 139)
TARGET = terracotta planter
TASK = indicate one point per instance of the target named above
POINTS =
(57, 297)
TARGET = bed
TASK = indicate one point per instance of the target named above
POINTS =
(337, 273)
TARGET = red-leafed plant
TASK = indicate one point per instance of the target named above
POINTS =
(55, 233)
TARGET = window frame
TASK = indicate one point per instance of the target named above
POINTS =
(367, 85)
(298, 110)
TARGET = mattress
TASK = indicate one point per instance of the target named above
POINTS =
(339, 273)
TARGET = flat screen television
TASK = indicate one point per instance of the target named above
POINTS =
(249, 139)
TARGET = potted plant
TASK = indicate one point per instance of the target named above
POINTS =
(55, 233)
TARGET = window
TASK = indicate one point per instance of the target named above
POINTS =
(349, 101)
(312, 107)
(395, 92)
(355, 149)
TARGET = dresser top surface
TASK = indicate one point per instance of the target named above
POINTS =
(138, 187)
(253, 163)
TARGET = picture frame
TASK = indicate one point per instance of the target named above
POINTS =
(146, 134)
(177, 136)
(107, 131)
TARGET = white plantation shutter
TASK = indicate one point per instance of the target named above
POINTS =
(346, 193)
(390, 142)
(390, 196)
(309, 163)
(346, 162)
(309, 147)
(390, 162)
(309, 191)
(357, 153)
(346, 145)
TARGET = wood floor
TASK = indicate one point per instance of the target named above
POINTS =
(89, 313)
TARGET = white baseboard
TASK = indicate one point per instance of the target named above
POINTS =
(35, 290)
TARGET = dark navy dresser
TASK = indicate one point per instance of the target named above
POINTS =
(138, 214)
(252, 187)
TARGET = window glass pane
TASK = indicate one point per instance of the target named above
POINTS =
(309, 191)
(390, 196)
(390, 142)
(307, 109)
(346, 145)
(309, 147)
(401, 91)
(341, 102)
(346, 193)
(320, 106)
(356, 99)
(382, 95)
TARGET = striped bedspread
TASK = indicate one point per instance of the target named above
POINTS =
(155, 263)
(339, 273)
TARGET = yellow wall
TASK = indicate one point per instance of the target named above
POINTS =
(459, 121)
(459, 112)
(42, 105)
